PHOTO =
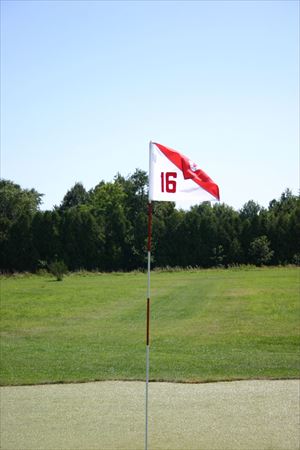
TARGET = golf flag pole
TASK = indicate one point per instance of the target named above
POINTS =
(172, 177)
(148, 308)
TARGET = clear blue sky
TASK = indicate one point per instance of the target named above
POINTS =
(86, 85)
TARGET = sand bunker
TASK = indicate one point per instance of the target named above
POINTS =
(243, 415)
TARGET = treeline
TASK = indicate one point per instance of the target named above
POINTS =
(105, 229)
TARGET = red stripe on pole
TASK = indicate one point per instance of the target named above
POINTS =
(148, 322)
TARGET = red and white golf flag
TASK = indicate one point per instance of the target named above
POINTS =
(174, 177)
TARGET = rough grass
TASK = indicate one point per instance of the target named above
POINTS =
(205, 325)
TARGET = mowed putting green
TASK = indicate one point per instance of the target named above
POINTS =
(205, 325)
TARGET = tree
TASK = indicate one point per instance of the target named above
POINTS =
(82, 239)
(17, 208)
(46, 236)
(76, 196)
(250, 226)
(283, 227)
(260, 251)
(228, 224)
(165, 238)
(295, 233)
(199, 236)
(135, 187)
(108, 207)
(218, 256)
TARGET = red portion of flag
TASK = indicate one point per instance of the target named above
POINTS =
(190, 170)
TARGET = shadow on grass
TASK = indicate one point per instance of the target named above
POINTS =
(55, 281)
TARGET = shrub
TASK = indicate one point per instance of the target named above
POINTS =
(296, 259)
(58, 269)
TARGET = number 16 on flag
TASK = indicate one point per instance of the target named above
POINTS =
(174, 177)
(168, 183)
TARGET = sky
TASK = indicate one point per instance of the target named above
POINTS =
(85, 85)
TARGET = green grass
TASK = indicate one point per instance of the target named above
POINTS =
(205, 325)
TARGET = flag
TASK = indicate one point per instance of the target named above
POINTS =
(174, 177)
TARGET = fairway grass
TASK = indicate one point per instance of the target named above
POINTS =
(206, 325)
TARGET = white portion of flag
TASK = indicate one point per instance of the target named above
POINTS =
(166, 182)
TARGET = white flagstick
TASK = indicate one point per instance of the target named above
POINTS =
(148, 302)
(148, 318)
(172, 176)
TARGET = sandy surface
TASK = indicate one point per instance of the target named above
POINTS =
(256, 415)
